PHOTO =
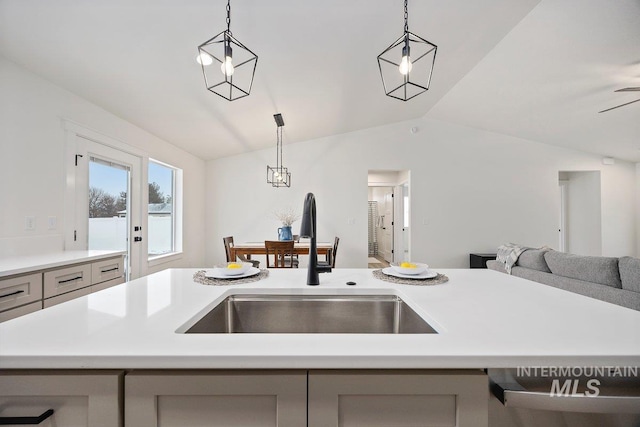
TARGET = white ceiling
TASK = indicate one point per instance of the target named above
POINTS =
(549, 77)
(535, 71)
(317, 64)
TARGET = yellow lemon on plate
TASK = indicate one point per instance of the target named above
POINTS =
(407, 265)
(234, 265)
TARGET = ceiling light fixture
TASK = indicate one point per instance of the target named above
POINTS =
(278, 176)
(407, 65)
(228, 66)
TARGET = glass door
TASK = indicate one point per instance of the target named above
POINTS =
(109, 207)
(108, 194)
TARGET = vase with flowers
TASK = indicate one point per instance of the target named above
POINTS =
(287, 217)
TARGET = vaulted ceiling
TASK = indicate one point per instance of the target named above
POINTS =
(538, 70)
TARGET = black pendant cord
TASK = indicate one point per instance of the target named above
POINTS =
(406, 17)
(229, 16)
(280, 148)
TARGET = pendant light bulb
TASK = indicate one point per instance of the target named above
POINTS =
(405, 65)
(227, 66)
(204, 59)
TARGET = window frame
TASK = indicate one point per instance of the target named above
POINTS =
(176, 215)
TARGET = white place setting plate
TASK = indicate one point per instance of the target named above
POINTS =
(428, 274)
(221, 273)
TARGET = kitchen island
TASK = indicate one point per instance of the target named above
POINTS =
(483, 319)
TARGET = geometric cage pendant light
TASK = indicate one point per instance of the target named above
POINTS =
(407, 65)
(228, 66)
(278, 176)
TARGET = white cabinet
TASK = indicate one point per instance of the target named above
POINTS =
(108, 269)
(64, 284)
(371, 398)
(398, 398)
(63, 280)
(29, 292)
(216, 398)
(77, 398)
(19, 291)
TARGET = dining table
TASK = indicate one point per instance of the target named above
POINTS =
(299, 248)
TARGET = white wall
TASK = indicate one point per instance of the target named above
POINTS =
(584, 213)
(470, 190)
(32, 143)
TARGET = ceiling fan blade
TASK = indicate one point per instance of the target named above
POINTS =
(621, 105)
(628, 89)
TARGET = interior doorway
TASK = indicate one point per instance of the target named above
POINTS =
(388, 217)
(580, 230)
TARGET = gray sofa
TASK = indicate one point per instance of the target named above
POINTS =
(615, 280)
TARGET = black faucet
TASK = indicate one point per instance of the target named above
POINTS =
(308, 229)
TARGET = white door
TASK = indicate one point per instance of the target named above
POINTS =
(400, 224)
(387, 229)
(108, 195)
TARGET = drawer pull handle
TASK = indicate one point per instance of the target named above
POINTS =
(69, 280)
(12, 293)
(26, 420)
(111, 269)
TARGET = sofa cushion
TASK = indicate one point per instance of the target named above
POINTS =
(595, 269)
(534, 259)
(630, 273)
(609, 294)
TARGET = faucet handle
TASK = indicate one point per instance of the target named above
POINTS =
(323, 267)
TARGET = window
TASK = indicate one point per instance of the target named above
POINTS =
(164, 233)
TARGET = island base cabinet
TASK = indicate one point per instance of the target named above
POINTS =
(398, 398)
(78, 398)
(216, 399)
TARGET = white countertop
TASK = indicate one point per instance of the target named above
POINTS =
(27, 263)
(485, 319)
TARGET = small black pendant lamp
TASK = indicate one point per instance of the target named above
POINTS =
(278, 176)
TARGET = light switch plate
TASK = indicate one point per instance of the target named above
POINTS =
(29, 222)
(52, 222)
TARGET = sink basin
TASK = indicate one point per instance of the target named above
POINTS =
(311, 314)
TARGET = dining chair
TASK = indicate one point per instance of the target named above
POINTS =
(228, 244)
(331, 256)
(281, 252)
(294, 257)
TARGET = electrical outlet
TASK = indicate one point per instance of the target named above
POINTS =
(52, 222)
(351, 221)
(29, 222)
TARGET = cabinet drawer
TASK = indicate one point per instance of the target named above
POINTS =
(107, 284)
(20, 311)
(50, 302)
(108, 269)
(63, 280)
(77, 399)
(20, 290)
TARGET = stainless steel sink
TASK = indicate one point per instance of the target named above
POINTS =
(317, 314)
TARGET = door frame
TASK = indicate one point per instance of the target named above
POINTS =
(81, 143)
(396, 184)
(563, 186)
